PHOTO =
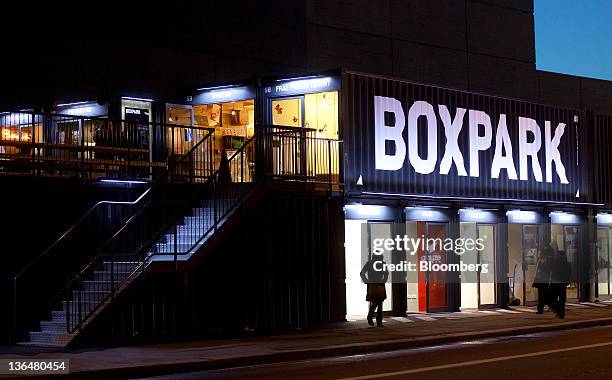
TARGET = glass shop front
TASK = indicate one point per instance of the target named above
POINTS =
(230, 111)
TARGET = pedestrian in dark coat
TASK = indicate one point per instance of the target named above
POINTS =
(541, 280)
(560, 278)
(375, 274)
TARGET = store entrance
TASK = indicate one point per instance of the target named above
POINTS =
(604, 272)
(478, 289)
(566, 239)
(427, 290)
(523, 257)
(360, 235)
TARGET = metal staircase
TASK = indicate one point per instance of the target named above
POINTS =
(162, 230)
(171, 230)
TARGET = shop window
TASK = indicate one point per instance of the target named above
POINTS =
(234, 124)
(178, 115)
(19, 128)
(321, 114)
(604, 272)
(287, 112)
(314, 157)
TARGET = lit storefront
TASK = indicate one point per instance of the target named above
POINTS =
(451, 164)
(409, 160)
(307, 107)
(229, 110)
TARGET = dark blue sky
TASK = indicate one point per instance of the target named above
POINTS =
(574, 37)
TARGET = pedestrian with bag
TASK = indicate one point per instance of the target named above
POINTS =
(375, 274)
(561, 274)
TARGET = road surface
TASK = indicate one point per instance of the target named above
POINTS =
(576, 354)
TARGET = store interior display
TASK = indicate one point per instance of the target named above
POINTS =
(234, 124)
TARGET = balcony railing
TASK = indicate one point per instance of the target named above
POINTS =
(296, 154)
(91, 148)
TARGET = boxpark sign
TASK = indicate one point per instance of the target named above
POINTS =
(406, 138)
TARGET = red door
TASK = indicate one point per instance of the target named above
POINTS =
(432, 284)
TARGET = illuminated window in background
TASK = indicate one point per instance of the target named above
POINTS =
(287, 112)
(234, 124)
(322, 114)
(178, 115)
(17, 127)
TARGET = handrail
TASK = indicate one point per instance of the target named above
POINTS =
(192, 150)
(179, 214)
(70, 232)
(218, 217)
(90, 147)
(100, 118)
(101, 249)
(139, 253)
(74, 225)
(194, 147)
(289, 128)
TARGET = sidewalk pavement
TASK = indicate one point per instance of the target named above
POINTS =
(347, 338)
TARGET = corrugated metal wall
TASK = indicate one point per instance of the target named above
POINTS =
(603, 158)
(358, 134)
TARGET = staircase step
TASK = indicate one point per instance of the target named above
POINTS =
(53, 326)
(90, 295)
(97, 284)
(171, 247)
(121, 266)
(192, 228)
(105, 275)
(181, 239)
(58, 315)
(207, 217)
(51, 338)
(86, 306)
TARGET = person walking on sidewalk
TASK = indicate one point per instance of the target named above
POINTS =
(561, 273)
(542, 277)
(375, 274)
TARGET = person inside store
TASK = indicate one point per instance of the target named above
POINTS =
(375, 274)
(542, 277)
(560, 277)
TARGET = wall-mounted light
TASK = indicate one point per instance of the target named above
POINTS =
(215, 87)
(522, 216)
(74, 103)
(124, 181)
(560, 217)
(369, 212)
(604, 218)
(136, 99)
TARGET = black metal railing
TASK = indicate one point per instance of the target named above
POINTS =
(296, 154)
(33, 286)
(93, 147)
(171, 228)
(81, 243)
(163, 227)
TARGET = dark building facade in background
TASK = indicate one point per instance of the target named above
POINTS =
(135, 50)
(269, 160)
